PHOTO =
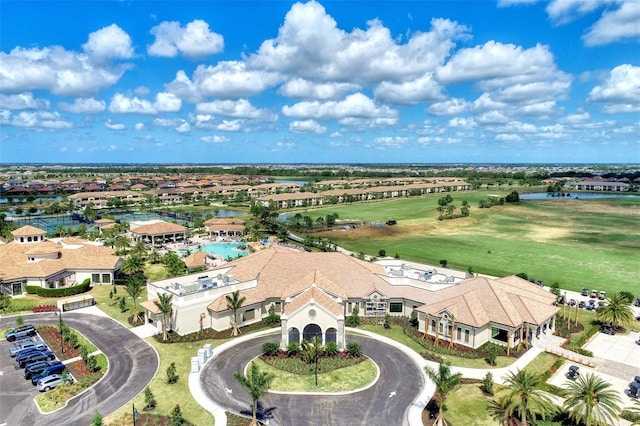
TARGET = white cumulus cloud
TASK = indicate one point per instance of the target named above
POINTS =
(23, 101)
(621, 91)
(353, 106)
(113, 125)
(241, 108)
(306, 89)
(110, 42)
(215, 139)
(195, 40)
(307, 126)
(83, 106)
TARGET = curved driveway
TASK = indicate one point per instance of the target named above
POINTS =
(132, 365)
(376, 405)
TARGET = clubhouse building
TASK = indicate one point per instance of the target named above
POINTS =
(33, 260)
(314, 293)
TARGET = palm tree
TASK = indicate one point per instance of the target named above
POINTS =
(524, 398)
(164, 305)
(141, 249)
(133, 264)
(234, 302)
(591, 401)
(499, 410)
(311, 352)
(445, 382)
(451, 333)
(134, 288)
(256, 383)
(617, 311)
(121, 243)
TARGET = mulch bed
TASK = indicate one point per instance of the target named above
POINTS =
(51, 337)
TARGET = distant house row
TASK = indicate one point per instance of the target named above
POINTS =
(283, 194)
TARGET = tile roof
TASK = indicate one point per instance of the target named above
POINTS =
(313, 294)
(27, 230)
(14, 263)
(509, 301)
(159, 228)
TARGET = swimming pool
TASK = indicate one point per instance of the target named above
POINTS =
(224, 249)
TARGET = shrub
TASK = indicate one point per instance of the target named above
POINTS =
(354, 349)
(630, 416)
(176, 416)
(628, 295)
(19, 321)
(149, 398)
(443, 263)
(293, 348)
(60, 292)
(382, 253)
(97, 419)
(387, 321)
(92, 364)
(84, 353)
(492, 351)
(270, 348)
(73, 340)
(487, 383)
(5, 301)
(122, 304)
(272, 318)
(331, 349)
(353, 320)
(172, 376)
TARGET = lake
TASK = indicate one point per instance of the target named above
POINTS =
(579, 195)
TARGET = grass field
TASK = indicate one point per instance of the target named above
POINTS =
(576, 243)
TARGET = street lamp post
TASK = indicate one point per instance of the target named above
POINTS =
(135, 414)
(61, 323)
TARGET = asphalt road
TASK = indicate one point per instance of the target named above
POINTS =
(372, 407)
(132, 365)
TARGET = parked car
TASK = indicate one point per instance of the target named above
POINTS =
(38, 367)
(54, 369)
(594, 294)
(38, 356)
(22, 355)
(590, 307)
(602, 295)
(634, 390)
(637, 302)
(585, 291)
(15, 350)
(45, 384)
(582, 304)
(19, 332)
(607, 329)
(572, 302)
(574, 372)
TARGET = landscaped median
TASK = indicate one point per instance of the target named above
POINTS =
(86, 371)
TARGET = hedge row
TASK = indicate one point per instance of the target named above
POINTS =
(60, 292)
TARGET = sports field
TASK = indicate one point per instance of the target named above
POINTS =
(574, 242)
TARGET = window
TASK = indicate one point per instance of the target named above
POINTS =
(458, 333)
(499, 334)
(95, 278)
(106, 278)
(441, 328)
(466, 336)
(433, 325)
(395, 308)
(249, 315)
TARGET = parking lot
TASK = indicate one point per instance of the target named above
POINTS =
(21, 390)
(132, 364)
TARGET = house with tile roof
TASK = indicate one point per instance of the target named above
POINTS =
(315, 292)
(157, 232)
(33, 260)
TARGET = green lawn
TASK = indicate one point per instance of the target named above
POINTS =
(341, 380)
(541, 363)
(111, 307)
(168, 395)
(577, 243)
(468, 406)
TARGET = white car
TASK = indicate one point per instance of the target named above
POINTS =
(50, 382)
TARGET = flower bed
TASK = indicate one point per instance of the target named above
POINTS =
(45, 308)
(51, 336)
(295, 364)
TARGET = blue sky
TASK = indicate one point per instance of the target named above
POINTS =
(520, 81)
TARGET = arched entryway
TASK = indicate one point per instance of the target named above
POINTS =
(310, 331)
(331, 336)
(294, 335)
